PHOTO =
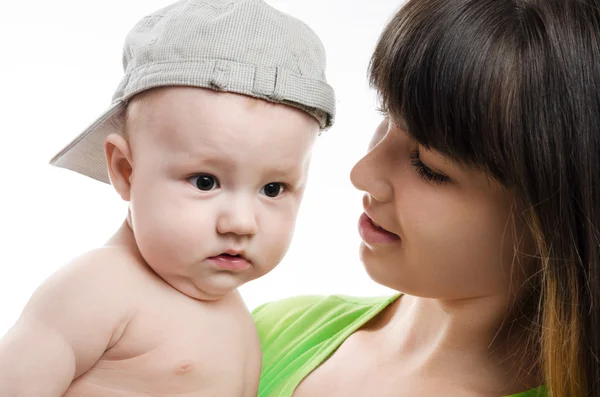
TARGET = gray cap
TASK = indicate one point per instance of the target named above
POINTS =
(241, 46)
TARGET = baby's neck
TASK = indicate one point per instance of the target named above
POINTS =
(124, 238)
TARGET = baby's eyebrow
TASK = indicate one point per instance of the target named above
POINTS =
(293, 173)
(207, 159)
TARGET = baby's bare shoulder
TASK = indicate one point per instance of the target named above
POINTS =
(101, 277)
(107, 265)
(78, 313)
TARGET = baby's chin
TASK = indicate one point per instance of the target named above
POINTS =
(210, 288)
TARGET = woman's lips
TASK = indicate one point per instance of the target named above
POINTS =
(373, 234)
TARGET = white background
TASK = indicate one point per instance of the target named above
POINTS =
(60, 62)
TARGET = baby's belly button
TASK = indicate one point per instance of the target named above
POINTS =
(185, 367)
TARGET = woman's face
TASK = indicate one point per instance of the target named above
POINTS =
(445, 231)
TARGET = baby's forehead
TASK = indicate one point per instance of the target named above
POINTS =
(181, 104)
(192, 120)
(158, 113)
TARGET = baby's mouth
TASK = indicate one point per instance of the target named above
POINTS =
(227, 256)
(230, 261)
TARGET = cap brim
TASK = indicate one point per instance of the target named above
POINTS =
(85, 154)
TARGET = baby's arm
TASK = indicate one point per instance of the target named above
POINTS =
(69, 322)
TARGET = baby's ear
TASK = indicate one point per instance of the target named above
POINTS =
(120, 167)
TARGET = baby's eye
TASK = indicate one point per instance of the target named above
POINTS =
(204, 182)
(272, 189)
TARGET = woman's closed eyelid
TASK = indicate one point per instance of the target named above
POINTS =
(439, 161)
(426, 172)
(432, 161)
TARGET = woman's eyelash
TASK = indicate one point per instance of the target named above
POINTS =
(426, 172)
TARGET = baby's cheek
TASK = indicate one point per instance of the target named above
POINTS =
(160, 233)
(276, 241)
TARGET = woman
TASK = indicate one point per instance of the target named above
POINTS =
(481, 206)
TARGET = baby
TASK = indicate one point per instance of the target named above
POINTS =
(209, 139)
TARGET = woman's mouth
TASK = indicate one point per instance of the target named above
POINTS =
(373, 234)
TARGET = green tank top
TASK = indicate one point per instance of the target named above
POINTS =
(298, 334)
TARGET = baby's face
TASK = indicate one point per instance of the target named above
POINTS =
(216, 185)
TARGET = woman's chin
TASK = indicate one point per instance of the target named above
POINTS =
(390, 271)
(381, 270)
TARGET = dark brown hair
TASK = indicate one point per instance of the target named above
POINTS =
(512, 87)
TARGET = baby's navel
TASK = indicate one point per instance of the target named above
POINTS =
(185, 367)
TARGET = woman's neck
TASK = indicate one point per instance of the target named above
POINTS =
(474, 337)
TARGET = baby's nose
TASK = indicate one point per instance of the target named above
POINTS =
(237, 219)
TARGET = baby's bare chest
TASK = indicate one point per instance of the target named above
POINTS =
(179, 347)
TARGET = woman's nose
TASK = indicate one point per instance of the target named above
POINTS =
(370, 174)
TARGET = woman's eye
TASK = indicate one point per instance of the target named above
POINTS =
(204, 182)
(425, 172)
(272, 189)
